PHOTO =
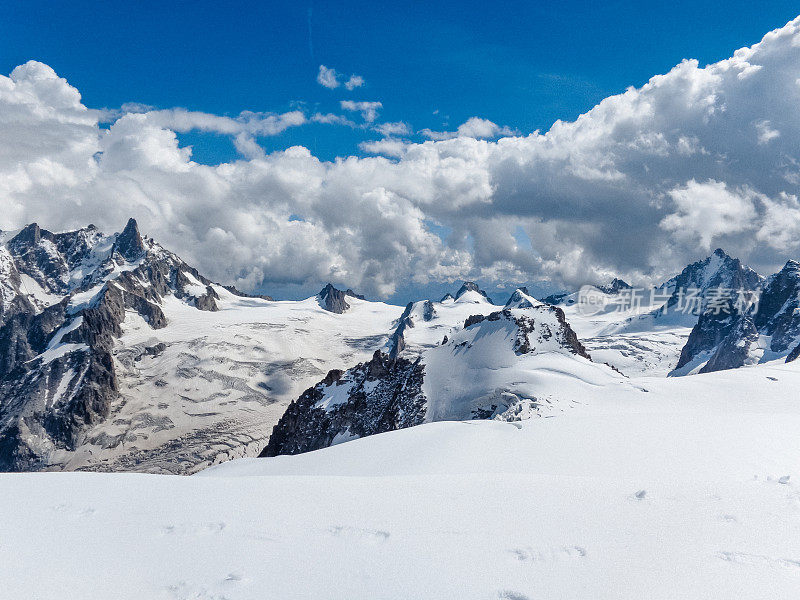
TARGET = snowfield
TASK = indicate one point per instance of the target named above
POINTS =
(690, 489)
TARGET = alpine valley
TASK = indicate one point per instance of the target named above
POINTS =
(115, 355)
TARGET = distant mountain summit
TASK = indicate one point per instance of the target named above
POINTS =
(734, 338)
(335, 300)
(470, 292)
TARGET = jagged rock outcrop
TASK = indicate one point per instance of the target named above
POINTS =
(615, 287)
(521, 298)
(373, 397)
(704, 277)
(335, 300)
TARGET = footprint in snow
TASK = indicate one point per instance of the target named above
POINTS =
(509, 595)
(548, 554)
(193, 528)
(344, 531)
(745, 558)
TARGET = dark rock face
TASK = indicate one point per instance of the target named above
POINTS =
(57, 373)
(777, 311)
(734, 350)
(555, 298)
(519, 300)
(406, 321)
(129, 243)
(334, 300)
(376, 396)
(710, 331)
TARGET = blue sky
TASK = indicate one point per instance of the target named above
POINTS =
(432, 65)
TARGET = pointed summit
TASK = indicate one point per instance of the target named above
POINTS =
(28, 237)
(521, 298)
(616, 286)
(473, 293)
(333, 300)
(129, 243)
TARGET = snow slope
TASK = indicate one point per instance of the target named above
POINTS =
(690, 490)
(223, 379)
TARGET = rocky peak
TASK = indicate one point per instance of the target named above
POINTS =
(615, 287)
(129, 243)
(27, 238)
(521, 298)
(334, 300)
(471, 286)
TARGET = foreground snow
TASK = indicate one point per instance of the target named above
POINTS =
(689, 490)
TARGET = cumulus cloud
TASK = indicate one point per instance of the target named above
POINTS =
(354, 82)
(368, 110)
(706, 211)
(643, 183)
(332, 79)
(474, 127)
(387, 147)
(397, 128)
(328, 78)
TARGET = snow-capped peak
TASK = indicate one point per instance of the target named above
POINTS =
(521, 298)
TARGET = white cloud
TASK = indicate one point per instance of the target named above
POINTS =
(640, 185)
(705, 211)
(390, 129)
(368, 110)
(328, 78)
(474, 127)
(387, 147)
(354, 82)
(332, 79)
(332, 119)
(765, 132)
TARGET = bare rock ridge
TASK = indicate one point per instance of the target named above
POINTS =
(615, 287)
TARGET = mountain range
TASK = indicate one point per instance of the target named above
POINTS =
(117, 355)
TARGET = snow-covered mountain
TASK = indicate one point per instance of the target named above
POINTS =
(115, 354)
(508, 364)
(735, 338)
(647, 331)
